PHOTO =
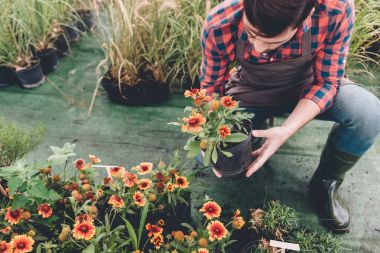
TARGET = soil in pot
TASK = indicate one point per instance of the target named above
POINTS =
(7, 76)
(30, 77)
(147, 91)
(242, 154)
(62, 45)
(72, 33)
(88, 20)
(49, 60)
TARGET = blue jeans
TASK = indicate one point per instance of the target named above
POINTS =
(355, 111)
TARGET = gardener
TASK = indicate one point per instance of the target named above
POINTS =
(291, 58)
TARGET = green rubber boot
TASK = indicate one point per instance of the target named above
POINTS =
(324, 187)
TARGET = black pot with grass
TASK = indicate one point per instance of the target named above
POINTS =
(62, 45)
(72, 33)
(49, 60)
(147, 91)
(88, 20)
(30, 77)
(241, 155)
(7, 76)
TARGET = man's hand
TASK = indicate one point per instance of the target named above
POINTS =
(275, 137)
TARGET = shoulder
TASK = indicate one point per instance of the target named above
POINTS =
(224, 18)
(333, 8)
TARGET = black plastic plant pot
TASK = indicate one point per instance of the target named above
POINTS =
(49, 60)
(72, 33)
(62, 45)
(241, 155)
(143, 93)
(7, 76)
(31, 77)
(88, 21)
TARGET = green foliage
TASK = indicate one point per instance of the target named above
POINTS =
(317, 242)
(279, 216)
(15, 142)
(364, 54)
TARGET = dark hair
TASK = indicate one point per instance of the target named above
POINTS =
(273, 17)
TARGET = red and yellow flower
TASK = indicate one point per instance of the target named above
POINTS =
(83, 218)
(45, 210)
(195, 93)
(6, 230)
(203, 250)
(157, 240)
(237, 220)
(144, 168)
(170, 187)
(117, 171)
(145, 184)
(116, 202)
(228, 102)
(139, 198)
(22, 244)
(181, 182)
(224, 131)
(80, 164)
(193, 124)
(13, 217)
(211, 210)
(5, 247)
(94, 159)
(216, 231)
(153, 229)
(84, 230)
(130, 179)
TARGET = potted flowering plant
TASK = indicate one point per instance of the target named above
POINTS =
(220, 129)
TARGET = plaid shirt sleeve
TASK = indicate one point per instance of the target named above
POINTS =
(215, 61)
(331, 58)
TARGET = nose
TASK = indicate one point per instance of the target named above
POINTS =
(259, 46)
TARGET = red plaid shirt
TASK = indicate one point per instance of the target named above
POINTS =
(331, 27)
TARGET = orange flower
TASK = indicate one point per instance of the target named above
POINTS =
(202, 250)
(153, 229)
(195, 93)
(130, 179)
(94, 159)
(83, 218)
(145, 168)
(84, 230)
(211, 210)
(13, 217)
(107, 180)
(145, 184)
(200, 101)
(117, 171)
(45, 210)
(5, 247)
(170, 187)
(224, 131)
(217, 231)
(22, 244)
(80, 164)
(116, 202)
(139, 198)
(181, 182)
(6, 230)
(193, 123)
(238, 223)
(228, 102)
(99, 192)
(157, 240)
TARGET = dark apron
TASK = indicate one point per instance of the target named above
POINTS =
(269, 84)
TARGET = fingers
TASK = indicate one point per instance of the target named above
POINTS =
(217, 173)
(259, 151)
(258, 163)
(262, 133)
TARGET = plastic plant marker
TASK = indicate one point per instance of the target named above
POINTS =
(284, 246)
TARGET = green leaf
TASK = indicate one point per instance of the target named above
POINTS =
(142, 222)
(39, 249)
(19, 201)
(237, 137)
(194, 149)
(188, 226)
(14, 183)
(214, 155)
(226, 153)
(132, 233)
(89, 249)
(207, 157)
(39, 190)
